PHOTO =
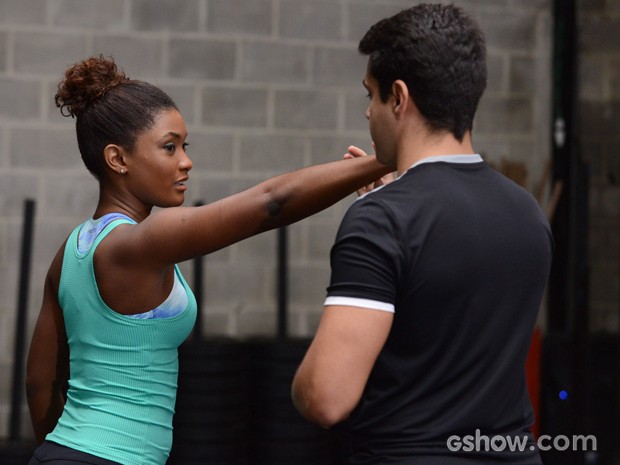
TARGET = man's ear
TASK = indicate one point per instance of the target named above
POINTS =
(113, 156)
(400, 94)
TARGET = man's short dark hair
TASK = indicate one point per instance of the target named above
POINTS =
(440, 53)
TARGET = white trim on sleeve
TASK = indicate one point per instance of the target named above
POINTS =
(357, 302)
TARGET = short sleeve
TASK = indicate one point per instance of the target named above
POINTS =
(365, 258)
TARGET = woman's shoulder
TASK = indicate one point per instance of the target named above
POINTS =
(92, 228)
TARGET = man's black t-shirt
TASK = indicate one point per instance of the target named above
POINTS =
(461, 254)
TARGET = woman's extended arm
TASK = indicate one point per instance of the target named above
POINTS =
(179, 234)
(48, 358)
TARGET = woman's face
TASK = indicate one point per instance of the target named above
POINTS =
(158, 166)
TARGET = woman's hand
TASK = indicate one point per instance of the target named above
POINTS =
(355, 152)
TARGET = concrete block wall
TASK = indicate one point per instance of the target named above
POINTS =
(265, 86)
(599, 116)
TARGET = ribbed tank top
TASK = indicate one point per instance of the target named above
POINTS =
(123, 371)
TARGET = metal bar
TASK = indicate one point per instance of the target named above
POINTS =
(568, 313)
(198, 268)
(282, 291)
(17, 393)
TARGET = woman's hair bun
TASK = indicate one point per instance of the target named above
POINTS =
(85, 82)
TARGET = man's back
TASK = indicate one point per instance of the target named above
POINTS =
(437, 277)
(463, 253)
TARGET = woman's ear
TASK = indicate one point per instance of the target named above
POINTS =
(113, 157)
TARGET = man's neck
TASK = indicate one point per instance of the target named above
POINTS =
(419, 148)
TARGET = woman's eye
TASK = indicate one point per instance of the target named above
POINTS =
(170, 147)
(185, 145)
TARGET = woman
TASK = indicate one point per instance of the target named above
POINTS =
(115, 305)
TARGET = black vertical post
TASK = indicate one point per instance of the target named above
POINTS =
(617, 382)
(568, 307)
(565, 166)
(20, 325)
(617, 386)
(198, 268)
(282, 283)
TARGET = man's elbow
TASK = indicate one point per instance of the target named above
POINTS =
(321, 410)
(326, 417)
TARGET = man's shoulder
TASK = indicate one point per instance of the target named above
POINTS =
(378, 201)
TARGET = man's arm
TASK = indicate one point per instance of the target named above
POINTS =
(331, 378)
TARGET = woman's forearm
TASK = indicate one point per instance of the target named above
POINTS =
(298, 194)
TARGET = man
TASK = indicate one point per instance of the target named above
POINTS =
(437, 277)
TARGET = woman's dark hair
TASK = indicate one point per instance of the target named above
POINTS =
(109, 107)
(439, 52)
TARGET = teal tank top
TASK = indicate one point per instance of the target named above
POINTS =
(123, 370)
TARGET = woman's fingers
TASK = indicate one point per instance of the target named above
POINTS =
(355, 152)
